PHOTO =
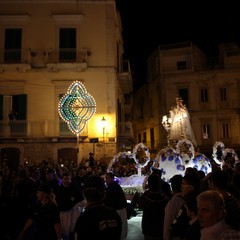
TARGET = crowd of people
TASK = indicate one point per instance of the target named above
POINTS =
(56, 202)
(48, 201)
(201, 207)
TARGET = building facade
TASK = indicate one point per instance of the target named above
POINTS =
(44, 47)
(208, 87)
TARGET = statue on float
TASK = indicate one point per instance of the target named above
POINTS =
(180, 152)
(180, 126)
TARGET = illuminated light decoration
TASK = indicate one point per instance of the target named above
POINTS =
(185, 149)
(217, 155)
(76, 107)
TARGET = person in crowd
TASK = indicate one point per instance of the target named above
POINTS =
(51, 179)
(190, 170)
(79, 179)
(211, 216)
(27, 191)
(98, 221)
(91, 160)
(164, 185)
(194, 228)
(70, 203)
(116, 199)
(190, 185)
(45, 221)
(153, 202)
(219, 180)
(173, 205)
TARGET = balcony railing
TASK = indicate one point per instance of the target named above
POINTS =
(12, 56)
(23, 128)
(13, 128)
(125, 129)
(43, 56)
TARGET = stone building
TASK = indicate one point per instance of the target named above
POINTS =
(209, 89)
(44, 47)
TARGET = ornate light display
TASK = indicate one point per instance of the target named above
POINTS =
(76, 107)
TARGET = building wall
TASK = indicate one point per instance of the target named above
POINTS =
(216, 113)
(42, 77)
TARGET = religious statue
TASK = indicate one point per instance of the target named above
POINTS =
(180, 127)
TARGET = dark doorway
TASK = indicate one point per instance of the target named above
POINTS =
(67, 156)
(10, 157)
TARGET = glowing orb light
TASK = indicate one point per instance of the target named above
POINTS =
(76, 107)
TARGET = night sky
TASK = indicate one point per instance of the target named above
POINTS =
(149, 24)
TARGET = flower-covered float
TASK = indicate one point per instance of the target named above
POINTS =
(224, 156)
(128, 167)
(172, 161)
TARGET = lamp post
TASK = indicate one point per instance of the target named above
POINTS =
(103, 123)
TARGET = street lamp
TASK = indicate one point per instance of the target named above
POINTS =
(104, 124)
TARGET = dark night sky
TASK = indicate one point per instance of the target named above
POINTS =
(149, 24)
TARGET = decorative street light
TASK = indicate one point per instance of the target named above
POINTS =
(104, 125)
(76, 107)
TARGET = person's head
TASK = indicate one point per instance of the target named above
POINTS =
(190, 183)
(35, 174)
(218, 179)
(211, 208)
(49, 174)
(109, 178)
(190, 170)
(94, 189)
(157, 171)
(176, 182)
(45, 193)
(201, 174)
(154, 182)
(66, 179)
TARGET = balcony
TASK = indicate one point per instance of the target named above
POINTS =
(14, 59)
(125, 78)
(36, 129)
(125, 133)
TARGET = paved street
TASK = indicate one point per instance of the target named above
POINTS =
(134, 227)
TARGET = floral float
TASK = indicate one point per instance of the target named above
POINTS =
(170, 163)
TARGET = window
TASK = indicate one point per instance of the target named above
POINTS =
(151, 112)
(206, 131)
(144, 137)
(204, 95)
(140, 108)
(181, 65)
(225, 129)
(13, 45)
(223, 94)
(67, 44)
(183, 93)
(14, 109)
(152, 138)
(139, 138)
